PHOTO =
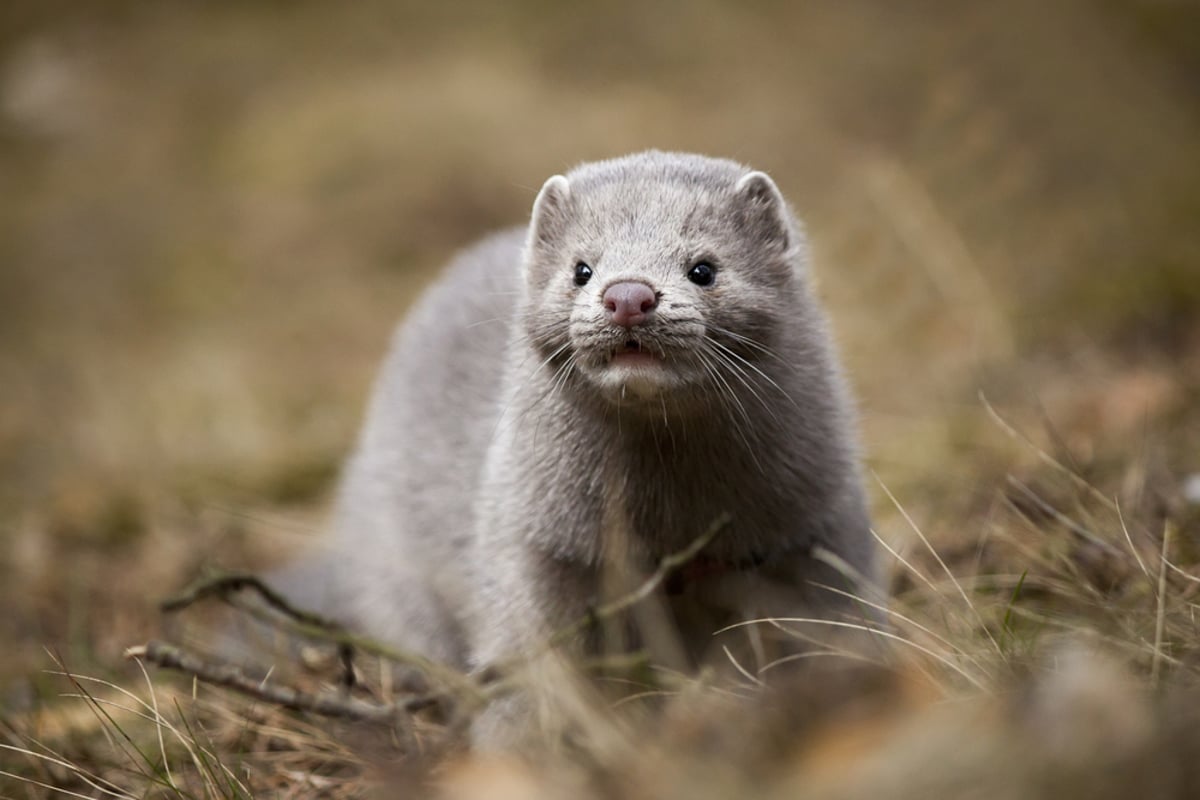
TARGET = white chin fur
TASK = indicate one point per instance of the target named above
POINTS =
(634, 382)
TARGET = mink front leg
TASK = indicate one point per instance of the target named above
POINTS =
(525, 598)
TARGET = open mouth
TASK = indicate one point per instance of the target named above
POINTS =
(632, 352)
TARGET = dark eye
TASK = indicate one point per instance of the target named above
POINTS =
(702, 274)
(583, 273)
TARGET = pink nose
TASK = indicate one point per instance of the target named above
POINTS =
(629, 303)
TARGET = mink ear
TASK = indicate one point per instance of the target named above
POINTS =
(763, 209)
(550, 210)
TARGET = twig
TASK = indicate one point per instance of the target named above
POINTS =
(1161, 605)
(223, 584)
(1070, 524)
(618, 662)
(669, 564)
(1042, 455)
(169, 656)
(873, 630)
(1128, 538)
(983, 626)
(226, 586)
(492, 675)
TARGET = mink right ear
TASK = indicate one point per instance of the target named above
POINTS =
(550, 210)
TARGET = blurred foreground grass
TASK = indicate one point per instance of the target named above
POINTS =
(212, 215)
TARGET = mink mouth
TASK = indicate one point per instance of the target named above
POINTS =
(632, 351)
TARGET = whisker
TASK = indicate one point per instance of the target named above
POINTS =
(517, 393)
(771, 381)
(743, 377)
(730, 394)
(762, 348)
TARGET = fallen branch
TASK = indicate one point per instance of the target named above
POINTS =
(226, 586)
(169, 656)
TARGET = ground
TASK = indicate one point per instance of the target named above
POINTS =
(214, 215)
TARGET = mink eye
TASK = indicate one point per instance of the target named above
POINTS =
(583, 273)
(702, 274)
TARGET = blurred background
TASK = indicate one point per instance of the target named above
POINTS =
(212, 214)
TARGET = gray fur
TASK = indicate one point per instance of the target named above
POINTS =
(504, 464)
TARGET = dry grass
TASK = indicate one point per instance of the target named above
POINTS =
(212, 217)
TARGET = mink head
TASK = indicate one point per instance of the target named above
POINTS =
(651, 275)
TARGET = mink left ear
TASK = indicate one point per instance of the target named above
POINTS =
(764, 211)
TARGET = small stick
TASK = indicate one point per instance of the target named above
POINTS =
(1070, 524)
(225, 583)
(225, 586)
(669, 564)
(492, 673)
(1161, 604)
(171, 657)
